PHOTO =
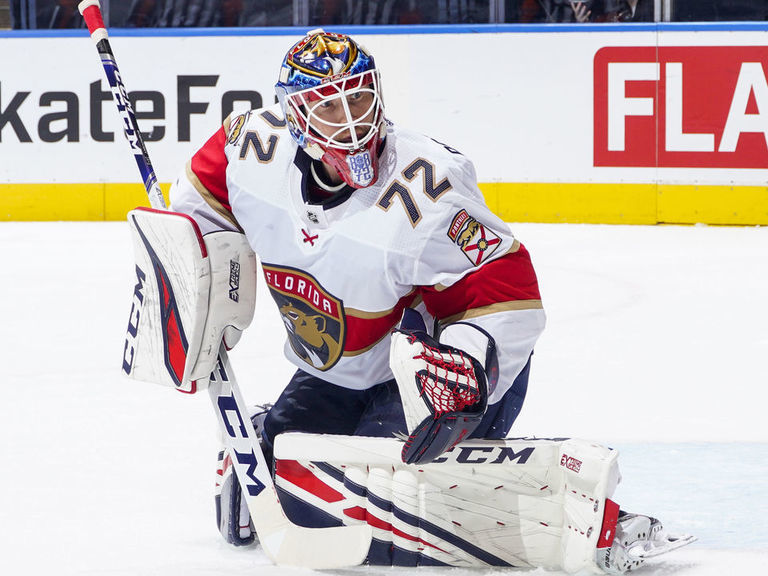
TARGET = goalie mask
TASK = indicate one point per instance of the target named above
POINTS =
(330, 93)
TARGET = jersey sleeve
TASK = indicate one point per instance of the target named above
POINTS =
(472, 269)
(201, 190)
(506, 283)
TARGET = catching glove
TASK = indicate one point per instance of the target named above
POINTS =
(444, 390)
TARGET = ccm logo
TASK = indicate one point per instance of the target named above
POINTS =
(572, 464)
(245, 461)
(690, 106)
(129, 350)
(485, 454)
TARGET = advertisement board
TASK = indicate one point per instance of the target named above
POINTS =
(634, 124)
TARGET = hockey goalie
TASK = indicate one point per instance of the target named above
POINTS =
(411, 313)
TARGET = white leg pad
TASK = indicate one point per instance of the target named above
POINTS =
(518, 502)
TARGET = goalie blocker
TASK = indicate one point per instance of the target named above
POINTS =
(191, 293)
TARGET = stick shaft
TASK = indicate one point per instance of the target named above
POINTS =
(91, 11)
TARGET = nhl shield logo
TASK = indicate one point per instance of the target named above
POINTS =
(313, 318)
(475, 240)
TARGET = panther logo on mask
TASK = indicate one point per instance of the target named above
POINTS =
(324, 55)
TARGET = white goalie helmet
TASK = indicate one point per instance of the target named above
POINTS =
(330, 92)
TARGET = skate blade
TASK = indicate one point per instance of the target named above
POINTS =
(666, 543)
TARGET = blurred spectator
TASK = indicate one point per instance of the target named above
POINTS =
(409, 13)
(268, 13)
(326, 12)
(459, 11)
(65, 15)
(329, 13)
(719, 10)
(367, 12)
(586, 11)
(554, 10)
(627, 11)
(230, 13)
(187, 13)
(184, 13)
(372, 12)
(143, 14)
(336, 12)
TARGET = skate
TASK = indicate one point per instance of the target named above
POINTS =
(638, 538)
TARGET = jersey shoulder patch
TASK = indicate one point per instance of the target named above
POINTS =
(475, 240)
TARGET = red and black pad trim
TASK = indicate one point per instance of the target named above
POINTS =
(302, 477)
(381, 552)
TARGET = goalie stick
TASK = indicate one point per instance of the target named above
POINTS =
(284, 542)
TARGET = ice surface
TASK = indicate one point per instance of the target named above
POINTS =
(657, 345)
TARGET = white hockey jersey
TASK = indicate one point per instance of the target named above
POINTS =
(341, 273)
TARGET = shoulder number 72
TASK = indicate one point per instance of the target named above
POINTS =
(400, 190)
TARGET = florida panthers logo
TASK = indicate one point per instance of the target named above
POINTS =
(476, 241)
(236, 128)
(308, 336)
(467, 234)
(313, 318)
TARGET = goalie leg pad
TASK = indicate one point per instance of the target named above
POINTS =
(514, 502)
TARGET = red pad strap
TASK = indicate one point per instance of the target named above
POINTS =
(610, 520)
(93, 18)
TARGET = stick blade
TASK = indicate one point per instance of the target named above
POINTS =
(318, 548)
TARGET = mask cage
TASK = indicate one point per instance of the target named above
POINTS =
(350, 131)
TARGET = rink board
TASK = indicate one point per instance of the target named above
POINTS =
(632, 124)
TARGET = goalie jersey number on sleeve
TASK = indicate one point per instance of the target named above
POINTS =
(431, 190)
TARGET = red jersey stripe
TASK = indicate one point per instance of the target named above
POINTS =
(508, 279)
(365, 331)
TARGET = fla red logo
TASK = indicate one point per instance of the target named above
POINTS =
(681, 106)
